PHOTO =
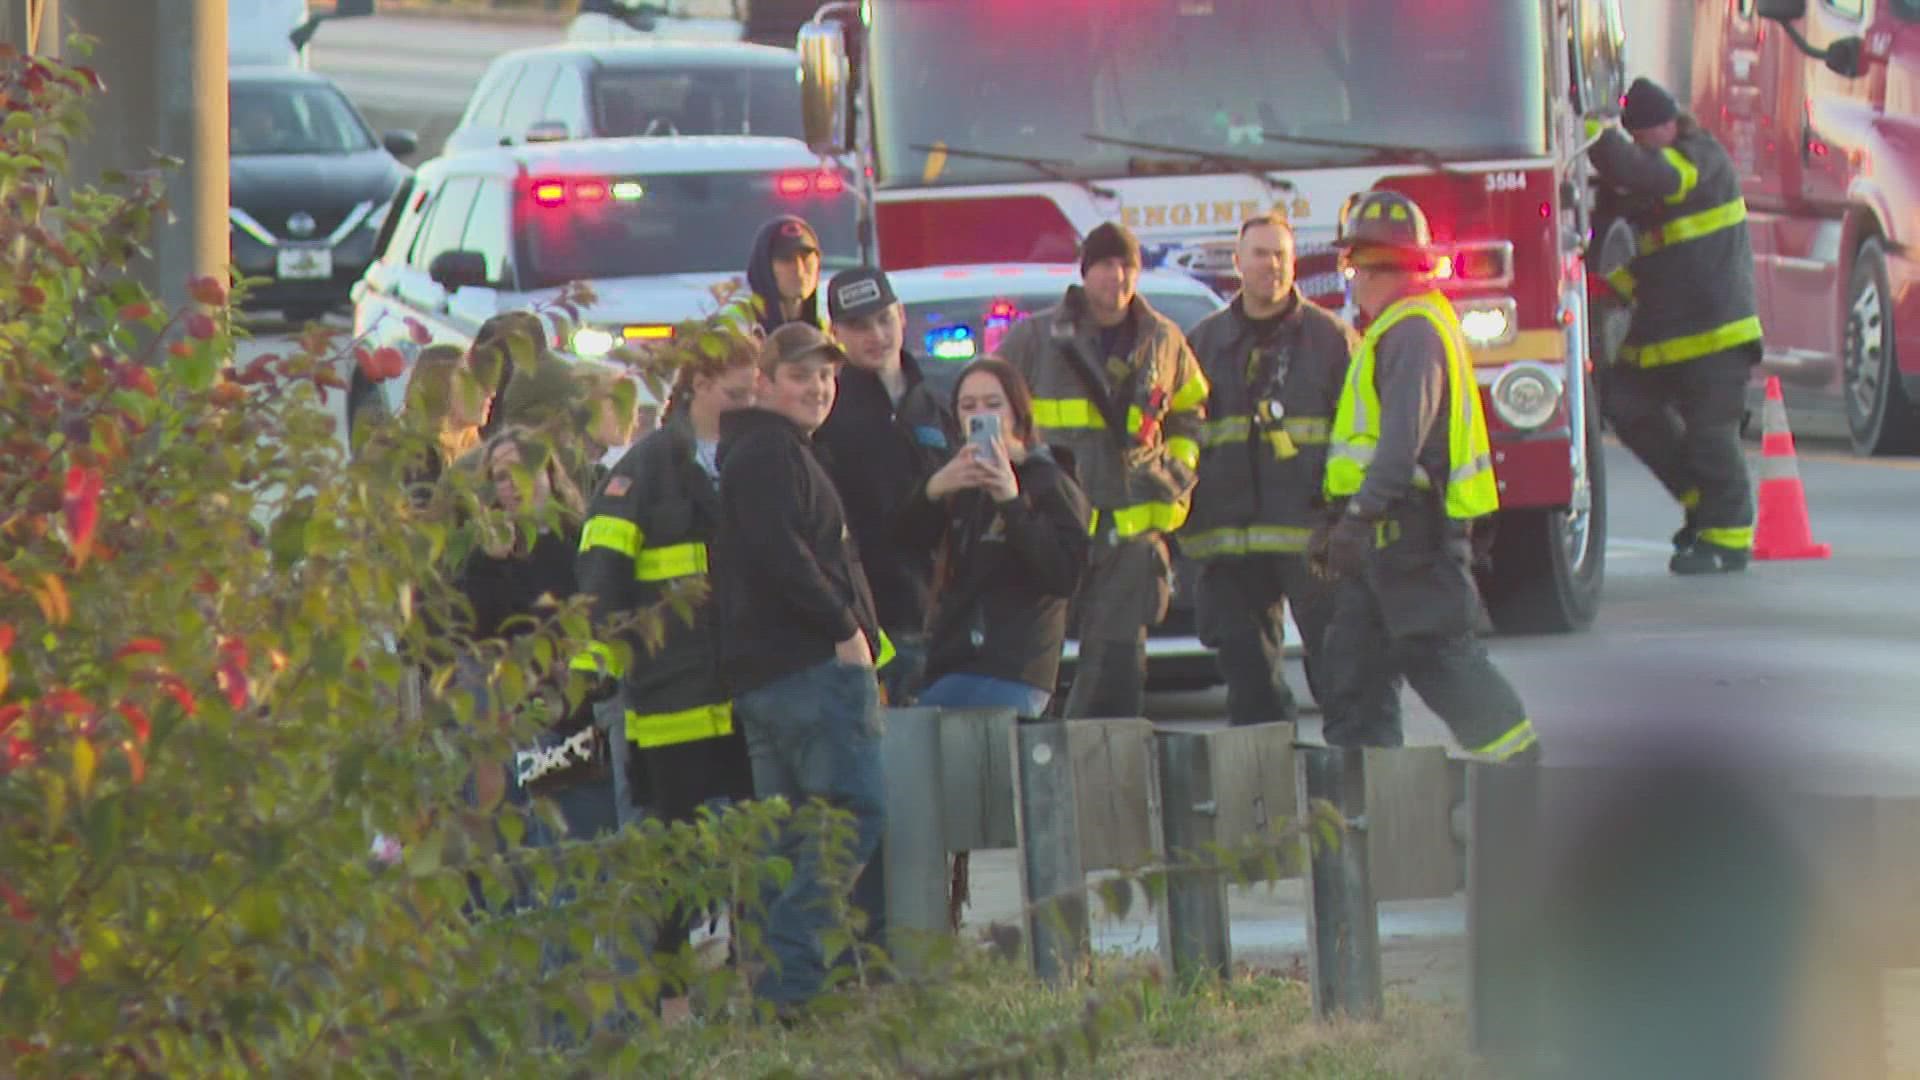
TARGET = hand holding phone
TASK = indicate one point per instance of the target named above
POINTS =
(983, 431)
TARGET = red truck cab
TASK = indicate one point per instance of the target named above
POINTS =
(1825, 133)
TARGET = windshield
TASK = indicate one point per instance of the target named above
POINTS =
(293, 118)
(698, 101)
(1026, 79)
(681, 223)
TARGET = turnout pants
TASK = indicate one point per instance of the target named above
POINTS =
(1126, 590)
(1683, 421)
(1411, 615)
(1240, 616)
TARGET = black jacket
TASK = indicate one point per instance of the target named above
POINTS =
(649, 530)
(788, 580)
(760, 280)
(877, 455)
(1261, 467)
(1008, 573)
(501, 588)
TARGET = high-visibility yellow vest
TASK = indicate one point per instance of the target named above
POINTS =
(1471, 490)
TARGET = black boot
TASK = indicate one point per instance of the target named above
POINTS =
(1701, 557)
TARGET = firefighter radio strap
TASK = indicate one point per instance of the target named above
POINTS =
(1269, 357)
(1137, 391)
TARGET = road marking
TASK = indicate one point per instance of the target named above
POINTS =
(1624, 546)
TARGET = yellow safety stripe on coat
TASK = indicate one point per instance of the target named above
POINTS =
(1131, 521)
(886, 652)
(1513, 742)
(1273, 539)
(647, 730)
(1232, 429)
(598, 658)
(1067, 413)
(1739, 539)
(1693, 346)
(1689, 176)
(1694, 226)
(678, 560)
(1308, 430)
(1184, 450)
(1190, 394)
(618, 535)
(1622, 282)
(1214, 543)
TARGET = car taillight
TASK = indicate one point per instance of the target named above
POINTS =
(795, 184)
(550, 193)
(556, 193)
(647, 333)
(590, 191)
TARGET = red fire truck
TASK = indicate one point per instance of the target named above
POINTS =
(1817, 106)
(1003, 130)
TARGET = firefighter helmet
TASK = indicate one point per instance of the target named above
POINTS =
(1385, 223)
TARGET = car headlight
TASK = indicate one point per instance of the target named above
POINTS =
(1487, 323)
(592, 341)
(1526, 396)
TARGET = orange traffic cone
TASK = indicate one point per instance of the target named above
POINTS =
(1782, 530)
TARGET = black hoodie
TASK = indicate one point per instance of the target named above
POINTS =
(760, 280)
(787, 579)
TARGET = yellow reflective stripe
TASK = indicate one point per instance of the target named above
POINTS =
(1190, 394)
(1134, 419)
(1689, 176)
(1307, 430)
(1740, 539)
(1693, 346)
(1145, 517)
(617, 535)
(1220, 432)
(1273, 539)
(1519, 738)
(1694, 226)
(647, 730)
(1185, 451)
(1622, 282)
(1213, 543)
(677, 560)
(597, 658)
(886, 652)
(1690, 498)
(1067, 413)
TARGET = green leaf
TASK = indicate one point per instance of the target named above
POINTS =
(104, 828)
(423, 855)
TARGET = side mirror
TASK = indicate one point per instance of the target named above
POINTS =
(547, 131)
(400, 143)
(823, 87)
(1780, 10)
(1845, 57)
(454, 270)
(352, 9)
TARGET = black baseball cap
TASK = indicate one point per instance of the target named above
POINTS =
(792, 236)
(798, 341)
(857, 293)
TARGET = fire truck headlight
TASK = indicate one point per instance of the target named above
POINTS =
(592, 341)
(1487, 323)
(1526, 396)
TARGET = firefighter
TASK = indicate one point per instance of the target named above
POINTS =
(1409, 468)
(1678, 393)
(1275, 363)
(647, 531)
(1115, 385)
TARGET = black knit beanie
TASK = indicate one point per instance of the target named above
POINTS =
(1648, 105)
(1109, 240)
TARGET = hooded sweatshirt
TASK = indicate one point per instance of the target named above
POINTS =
(760, 280)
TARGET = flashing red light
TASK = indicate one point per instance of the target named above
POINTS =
(829, 184)
(1546, 211)
(794, 185)
(590, 191)
(1003, 309)
(550, 193)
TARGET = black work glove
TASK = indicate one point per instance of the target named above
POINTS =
(1348, 546)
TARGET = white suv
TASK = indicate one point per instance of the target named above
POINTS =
(651, 224)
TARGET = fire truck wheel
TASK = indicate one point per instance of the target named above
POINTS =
(1880, 416)
(1545, 567)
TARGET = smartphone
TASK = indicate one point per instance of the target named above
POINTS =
(982, 430)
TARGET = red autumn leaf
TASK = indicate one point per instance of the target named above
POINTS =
(205, 584)
(390, 361)
(226, 394)
(10, 713)
(177, 690)
(417, 331)
(136, 311)
(63, 700)
(6, 636)
(180, 350)
(16, 905)
(135, 377)
(136, 764)
(144, 646)
(232, 672)
(207, 290)
(136, 718)
(32, 297)
(81, 504)
(66, 964)
(20, 752)
(201, 325)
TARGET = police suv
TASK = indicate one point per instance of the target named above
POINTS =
(651, 224)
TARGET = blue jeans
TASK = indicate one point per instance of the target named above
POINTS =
(812, 734)
(985, 692)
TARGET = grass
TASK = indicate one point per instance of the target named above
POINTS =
(1259, 1024)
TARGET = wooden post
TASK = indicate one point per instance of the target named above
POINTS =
(1194, 934)
(1505, 1011)
(915, 844)
(1051, 879)
(1343, 927)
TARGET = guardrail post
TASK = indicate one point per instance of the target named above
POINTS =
(1343, 927)
(1505, 1010)
(1194, 930)
(915, 837)
(1051, 878)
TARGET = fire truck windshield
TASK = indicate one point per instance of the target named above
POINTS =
(1462, 79)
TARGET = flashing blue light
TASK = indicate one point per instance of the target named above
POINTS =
(952, 344)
